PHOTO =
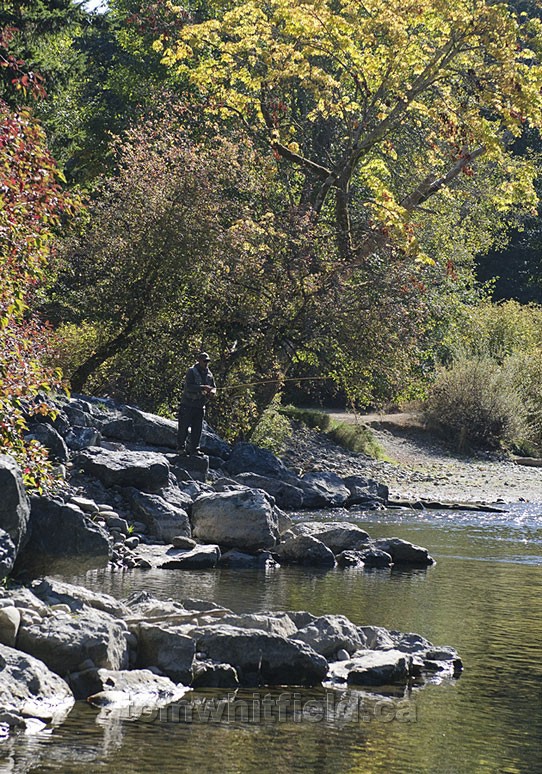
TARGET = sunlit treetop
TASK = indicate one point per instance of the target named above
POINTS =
(330, 85)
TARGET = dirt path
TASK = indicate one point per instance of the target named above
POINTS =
(422, 467)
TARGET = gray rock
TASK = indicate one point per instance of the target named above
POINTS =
(51, 439)
(14, 503)
(374, 668)
(138, 689)
(54, 592)
(305, 550)
(29, 689)
(173, 495)
(151, 428)
(411, 642)
(261, 658)
(10, 619)
(147, 471)
(247, 458)
(171, 652)
(376, 638)
(60, 536)
(78, 438)
(365, 490)
(84, 504)
(348, 559)
(119, 428)
(286, 495)
(199, 558)
(8, 554)
(191, 468)
(63, 642)
(212, 444)
(403, 552)
(241, 561)
(245, 520)
(337, 536)
(328, 634)
(179, 541)
(375, 557)
(323, 489)
(163, 520)
(276, 622)
(210, 674)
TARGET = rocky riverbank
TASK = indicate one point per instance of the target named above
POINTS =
(130, 502)
(419, 466)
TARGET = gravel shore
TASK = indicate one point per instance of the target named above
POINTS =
(419, 466)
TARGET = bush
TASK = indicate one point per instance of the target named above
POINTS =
(475, 403)
(272, 430)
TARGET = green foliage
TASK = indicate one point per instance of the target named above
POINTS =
(496, 331)
(354, 437)
(31, 204)
(273, 429)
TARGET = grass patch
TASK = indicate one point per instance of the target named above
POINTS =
(354, 437)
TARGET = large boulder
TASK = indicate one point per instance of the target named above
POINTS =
(153, 429)
(336, 535)
(403, 552)
(321, 489)
(164, 520)
(14, 512)
(169, 651)
(247, 458)
(64, 641)
(364, 491)
(261, 658)
(29, 689)
(286, 495)
(62, 535)
(305, 550)
(243, 519)
(328, 634)
(148, 471)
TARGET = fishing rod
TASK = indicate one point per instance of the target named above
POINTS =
(277, 381)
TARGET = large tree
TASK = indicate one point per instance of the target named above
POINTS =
(344, 92)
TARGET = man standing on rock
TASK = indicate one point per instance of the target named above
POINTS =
(199, 385)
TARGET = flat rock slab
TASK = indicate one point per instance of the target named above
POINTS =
(374, 668)
(148, 471)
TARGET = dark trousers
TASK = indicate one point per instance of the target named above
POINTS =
(190, 417)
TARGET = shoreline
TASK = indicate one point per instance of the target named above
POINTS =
(418, 466)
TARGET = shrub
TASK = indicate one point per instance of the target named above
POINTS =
(474, 403)
(272, 430)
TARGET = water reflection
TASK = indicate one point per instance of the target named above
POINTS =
(482, 597)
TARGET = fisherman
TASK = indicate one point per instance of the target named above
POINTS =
(199, 385)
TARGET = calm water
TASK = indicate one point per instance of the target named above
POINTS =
(484, 597)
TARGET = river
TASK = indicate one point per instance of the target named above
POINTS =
(483, 597)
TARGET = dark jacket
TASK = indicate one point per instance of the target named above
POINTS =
(192, 394)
